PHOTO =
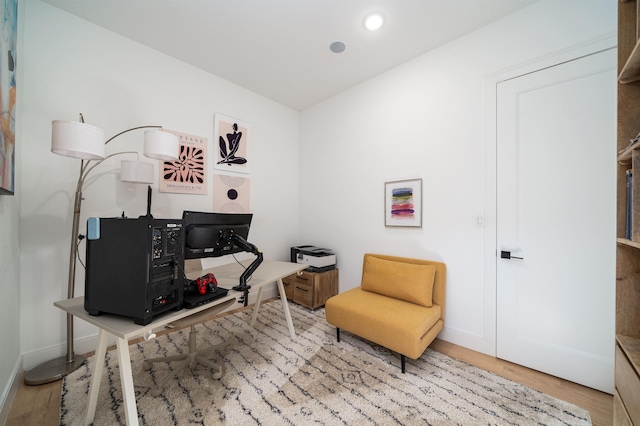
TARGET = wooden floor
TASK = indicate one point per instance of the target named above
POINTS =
(599, 404)
(40, 405)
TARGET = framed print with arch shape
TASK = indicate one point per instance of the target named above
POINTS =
(231, 193)
(403, 203)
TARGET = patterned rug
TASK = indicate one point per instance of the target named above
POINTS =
(271, 380)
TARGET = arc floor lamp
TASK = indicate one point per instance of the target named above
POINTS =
(86, 142)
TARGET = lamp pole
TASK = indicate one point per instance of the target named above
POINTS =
(57, 368)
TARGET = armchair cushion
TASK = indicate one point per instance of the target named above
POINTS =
(404, 281)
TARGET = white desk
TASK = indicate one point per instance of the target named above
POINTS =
(124, 329)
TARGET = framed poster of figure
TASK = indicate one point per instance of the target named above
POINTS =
(231, 143)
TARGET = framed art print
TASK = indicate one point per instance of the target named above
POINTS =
(187, 175)
(403, 203)
(231, 142)
(8, 96)
(230, 193)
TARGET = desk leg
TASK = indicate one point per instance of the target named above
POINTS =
(254, 317)
(285, 308)
(126, 379)
(96, 377)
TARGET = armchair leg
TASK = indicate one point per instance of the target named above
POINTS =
(338, 334)
(402, 362)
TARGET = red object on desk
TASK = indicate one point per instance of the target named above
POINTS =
(205, 281)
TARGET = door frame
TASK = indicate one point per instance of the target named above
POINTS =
(488, 344)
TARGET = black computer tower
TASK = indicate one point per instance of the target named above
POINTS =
(135, 267)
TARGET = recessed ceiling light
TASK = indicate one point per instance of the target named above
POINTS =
(337, 47)
(374, 21)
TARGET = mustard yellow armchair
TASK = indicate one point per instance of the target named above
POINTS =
(399, 304)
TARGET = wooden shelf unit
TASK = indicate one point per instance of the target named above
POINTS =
(627, 359)
(311, 289)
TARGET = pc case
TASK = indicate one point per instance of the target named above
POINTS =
(135, 267)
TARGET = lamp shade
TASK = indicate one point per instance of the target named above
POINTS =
(77, 140)
(136, 172)
(161, 145)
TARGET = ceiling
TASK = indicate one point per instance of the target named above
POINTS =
(280, 48)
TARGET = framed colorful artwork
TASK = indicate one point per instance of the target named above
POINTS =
(187, 175)
(403, 203)
(9, 24)
(231, 142)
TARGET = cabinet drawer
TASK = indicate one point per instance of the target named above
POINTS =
(311, 289)
(303, 294)
(288, 283)
(627, 385)
(306, 278)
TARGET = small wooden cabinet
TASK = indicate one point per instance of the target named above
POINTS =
(311, 289)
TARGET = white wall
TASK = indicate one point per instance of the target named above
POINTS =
(10, 290)
(427, 119)
(72, 66)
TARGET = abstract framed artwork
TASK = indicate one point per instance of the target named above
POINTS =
(403, 203)
(9, 10)
(231, 139)
(231, 193)
(188, 175)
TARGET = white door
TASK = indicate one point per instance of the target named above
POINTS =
(556, 136)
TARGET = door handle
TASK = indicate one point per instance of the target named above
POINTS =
(507, 255)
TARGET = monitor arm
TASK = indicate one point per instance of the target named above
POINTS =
(248, 247)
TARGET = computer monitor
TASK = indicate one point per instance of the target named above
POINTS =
(219, 234)
(209, 234)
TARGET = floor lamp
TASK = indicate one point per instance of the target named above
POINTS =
(87, 143)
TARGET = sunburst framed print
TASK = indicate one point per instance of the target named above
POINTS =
(187, 175)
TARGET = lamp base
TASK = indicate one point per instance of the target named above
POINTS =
(53, 370)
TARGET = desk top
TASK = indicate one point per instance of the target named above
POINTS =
(227, 276)
(268, 272)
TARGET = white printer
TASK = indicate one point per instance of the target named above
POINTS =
(318, 259)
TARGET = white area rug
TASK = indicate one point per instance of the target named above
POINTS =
(272, 380)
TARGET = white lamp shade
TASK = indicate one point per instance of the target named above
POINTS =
(77, 140)
(161, 145)
(136, 172)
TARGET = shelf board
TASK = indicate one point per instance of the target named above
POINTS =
(626, 153)
(631, 347)
(631, 70)
(627, 242)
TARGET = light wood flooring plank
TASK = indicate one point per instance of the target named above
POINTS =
(36, 405)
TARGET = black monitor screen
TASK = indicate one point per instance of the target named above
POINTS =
(208, 234)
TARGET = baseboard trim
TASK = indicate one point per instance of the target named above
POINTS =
(10, 391)
(467, 340)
